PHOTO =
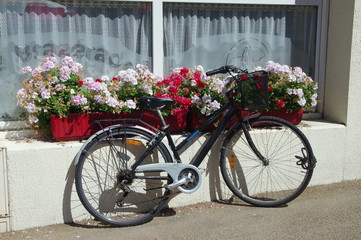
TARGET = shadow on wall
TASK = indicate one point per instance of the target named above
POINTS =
(73, 210)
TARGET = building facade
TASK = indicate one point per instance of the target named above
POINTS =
(321, 36)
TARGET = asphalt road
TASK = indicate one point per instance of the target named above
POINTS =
(322, 212)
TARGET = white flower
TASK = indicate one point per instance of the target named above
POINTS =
(33, 119)
(31, 108)
(130, 104)
(128, 75)
(105, 78)
(302, 102)
(195, 99)
(299, 92)
(215, 105)
(112, 102)
(206, 98)
(27, 69)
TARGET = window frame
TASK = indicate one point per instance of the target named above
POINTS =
(157, 35)
(321, 36)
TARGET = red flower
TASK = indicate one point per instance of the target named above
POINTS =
(185, 102)
(184, 71)
(80, 83)
(167, 81)
(270, 88)
(280, 103)
(197, 75)
(173, 89)
(259, 86)
(98, 80)
(160, 95)
(200, 84)
(244, 77)
(177, 83)
(115, 79)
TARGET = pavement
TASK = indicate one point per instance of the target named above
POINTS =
(321, 212)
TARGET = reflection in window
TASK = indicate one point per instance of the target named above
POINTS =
(246, 36)
(104, 36)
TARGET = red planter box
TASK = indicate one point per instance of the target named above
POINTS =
(177, 124)
(195, 120)
(82, 126)
(294, 117)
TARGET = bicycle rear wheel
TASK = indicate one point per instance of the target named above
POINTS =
(107, 187)
(285, 173)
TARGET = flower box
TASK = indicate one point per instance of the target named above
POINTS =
(195, 120)
(294, 117)
(177, 124)
(82, 126)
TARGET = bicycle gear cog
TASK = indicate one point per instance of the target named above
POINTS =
(194, 177)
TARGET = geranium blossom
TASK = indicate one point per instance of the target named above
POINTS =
(191, 88)
(290, 87)
(130, 104)
(31, 108)
(79, 99)
(27, 69)
(45, 93)
(32, 119)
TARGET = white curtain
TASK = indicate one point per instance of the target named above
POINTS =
(246, 36)
(104, 36)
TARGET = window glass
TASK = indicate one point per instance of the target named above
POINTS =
(243, 35)
(104, 36)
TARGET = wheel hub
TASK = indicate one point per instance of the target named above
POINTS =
(125, 176)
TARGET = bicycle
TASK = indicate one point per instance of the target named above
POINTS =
(126, 173)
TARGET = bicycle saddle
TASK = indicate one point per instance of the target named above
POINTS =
(154, 103)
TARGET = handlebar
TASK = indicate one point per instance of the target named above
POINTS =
(224, 69)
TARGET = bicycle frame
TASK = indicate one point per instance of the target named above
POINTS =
(230, 109)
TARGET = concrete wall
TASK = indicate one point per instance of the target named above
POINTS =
(41, 175)
(353, 144)
(343, 78)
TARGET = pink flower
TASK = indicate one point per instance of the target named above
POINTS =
(79, 100)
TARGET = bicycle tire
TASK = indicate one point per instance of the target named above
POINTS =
(104, 162)
(290, 162)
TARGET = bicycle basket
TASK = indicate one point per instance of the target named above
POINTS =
(254, 90)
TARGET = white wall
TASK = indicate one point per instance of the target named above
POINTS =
(343, 78)
(353, 144)
(41, 190)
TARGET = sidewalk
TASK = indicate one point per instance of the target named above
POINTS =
(322, 212)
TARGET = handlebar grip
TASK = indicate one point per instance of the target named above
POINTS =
(216, 71)
(223, 69)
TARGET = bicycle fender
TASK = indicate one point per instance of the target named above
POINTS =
(129, 126)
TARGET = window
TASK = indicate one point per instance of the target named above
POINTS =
(246, 36)
(107, 36)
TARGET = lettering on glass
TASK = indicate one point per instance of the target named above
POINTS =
(30, 52)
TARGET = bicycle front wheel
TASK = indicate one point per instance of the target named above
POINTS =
(106, 185)
(283, 174)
